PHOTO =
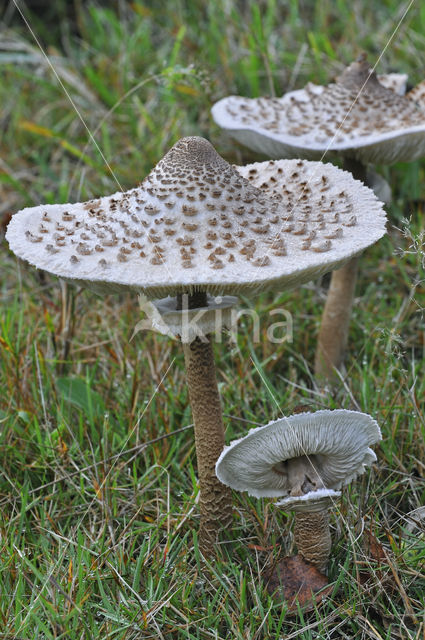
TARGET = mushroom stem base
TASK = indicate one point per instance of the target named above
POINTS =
(215, 499)
(313, 537)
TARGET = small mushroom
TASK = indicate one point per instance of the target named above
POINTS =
(304, 459)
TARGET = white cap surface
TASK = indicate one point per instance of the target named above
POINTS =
(336, 445)
(356, 116)
(198, 223)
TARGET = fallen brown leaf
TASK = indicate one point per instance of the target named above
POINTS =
(298, 583)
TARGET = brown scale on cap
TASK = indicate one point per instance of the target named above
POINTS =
(189, 227)
(84, 249)
(32, 238)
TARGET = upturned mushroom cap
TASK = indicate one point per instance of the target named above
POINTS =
(356, 116)
(198, 223)
(333, 446)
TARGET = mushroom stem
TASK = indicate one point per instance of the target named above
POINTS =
(312, 537)
(191, 300)
(333, 334)
(215, 497)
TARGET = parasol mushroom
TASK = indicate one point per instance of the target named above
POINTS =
(359, 117)
(196, 228)
(304, 459)
(362, 118)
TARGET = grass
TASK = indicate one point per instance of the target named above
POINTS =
(98, 491)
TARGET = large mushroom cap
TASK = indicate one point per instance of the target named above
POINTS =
(198, 223)
(335, 445)
(356, 116)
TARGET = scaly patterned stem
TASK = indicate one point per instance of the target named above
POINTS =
(215, 498)
(313, 537)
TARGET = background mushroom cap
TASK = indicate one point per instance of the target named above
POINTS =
(337, 443)
(198, 223)
(356, 116)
